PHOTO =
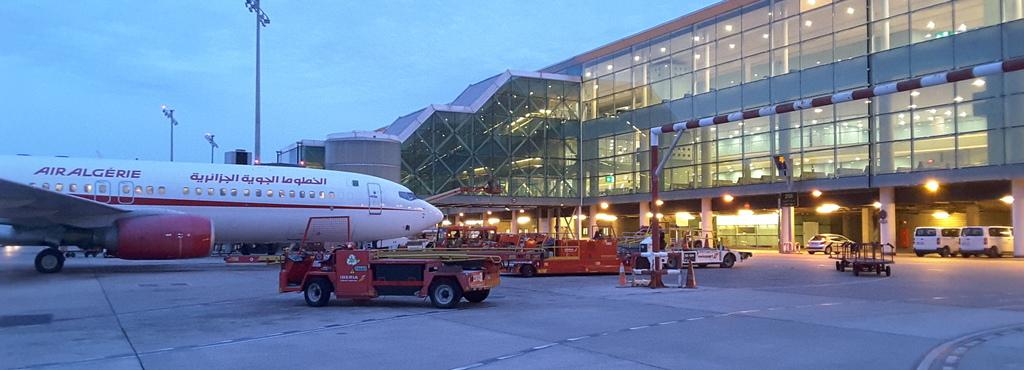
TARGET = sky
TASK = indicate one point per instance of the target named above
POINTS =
(88, 78)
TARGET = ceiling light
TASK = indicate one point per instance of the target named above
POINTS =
(659, 202)
(1008, 199)
(915, 93)
(978, 82)
(816, 193)
(523, 220)
(850, 10)
(604, 205)
(932, 185)
(876, 205)
(728, 28)
(808, 23)
(940, 215)
(728, 198)
(930, 25)
(827, 208)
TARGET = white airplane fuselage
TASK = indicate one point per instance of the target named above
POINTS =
(246, 204)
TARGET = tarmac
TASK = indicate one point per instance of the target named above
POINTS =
(772, 311)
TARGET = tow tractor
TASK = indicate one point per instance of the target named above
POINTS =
(699, 247)
(361, 275)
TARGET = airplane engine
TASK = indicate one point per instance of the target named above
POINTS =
(161, 237)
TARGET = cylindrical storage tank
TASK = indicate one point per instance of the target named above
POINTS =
(366, 152)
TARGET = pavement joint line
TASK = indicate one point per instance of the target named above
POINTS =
(668, 322)
(639, 327)
(544, 346)
(506, 357)
(578, 338)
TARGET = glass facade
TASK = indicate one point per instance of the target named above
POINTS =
(309, 154)
(524, 138)
(776, 51)
(544, 138)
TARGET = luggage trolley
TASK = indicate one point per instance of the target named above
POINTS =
(865, 257)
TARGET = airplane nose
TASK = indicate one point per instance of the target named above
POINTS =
(433, 215)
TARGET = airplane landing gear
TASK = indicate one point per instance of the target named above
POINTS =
(49, 260)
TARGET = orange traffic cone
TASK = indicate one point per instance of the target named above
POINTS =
(691, 278)
(622, 275)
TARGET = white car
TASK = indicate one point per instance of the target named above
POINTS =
(988, 240)
(942, 240)
(826, 243)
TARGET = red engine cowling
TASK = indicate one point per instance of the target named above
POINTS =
(162, 237)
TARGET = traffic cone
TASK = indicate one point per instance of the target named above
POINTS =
(622, 275)
(691, 278)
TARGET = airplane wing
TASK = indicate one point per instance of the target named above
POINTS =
(25, 205)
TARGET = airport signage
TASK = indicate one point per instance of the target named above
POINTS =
(789, 199)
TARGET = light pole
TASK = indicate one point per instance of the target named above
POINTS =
(213, 144)
(169, 113)
(261, 21)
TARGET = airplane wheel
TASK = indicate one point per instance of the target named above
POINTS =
(49, 261)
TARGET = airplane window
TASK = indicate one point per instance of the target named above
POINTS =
(138, 189)
(31, 184)
(407, 195)
(302, 194)
(162, 190)
(199, 191)
(259, 193)
(149, 190)
(209, 191)
(270, 193)
(245, 192)
(330, 195)
(234, 192)
(355, 182)
(73, 187)
(184, 190)
(291, 194)
(280, 193)
(323, 195)
(58, 187)
(312, 194)
(101, 189)
(127, 189)
(88, 188)
(223, 192)
(46, 185)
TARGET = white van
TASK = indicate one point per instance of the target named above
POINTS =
(942, 240)
(988, 240)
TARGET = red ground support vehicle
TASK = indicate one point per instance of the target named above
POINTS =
(544, 256)
(365, 274)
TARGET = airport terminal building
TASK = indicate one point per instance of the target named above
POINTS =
(569, 143)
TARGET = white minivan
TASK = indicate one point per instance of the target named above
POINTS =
(988, 240)
(942, 240)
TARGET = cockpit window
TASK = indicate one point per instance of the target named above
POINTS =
(407, 195)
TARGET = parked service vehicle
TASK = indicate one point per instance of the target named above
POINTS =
(826, 243)
(988, 240)
(942, 240)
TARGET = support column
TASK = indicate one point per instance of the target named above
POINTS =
(578, 224)
(591, 221)
(706, 216)
(644, 208)
(973, 215)
(1017, 191)
(515, 222)
(543, 220)
(866, 225)
(785, 226)
(887, 227)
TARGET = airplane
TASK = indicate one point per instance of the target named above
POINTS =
(145, 210)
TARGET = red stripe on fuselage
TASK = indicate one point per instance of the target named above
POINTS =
(170, 202)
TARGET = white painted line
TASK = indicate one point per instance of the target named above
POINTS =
(545, 346)
(828, 304)
(695, 318)
(165, 349)
(668, 322)
(225, 341)
(952, 359)
(478, 364)
(938, 298)
(578, 338)
(639, 327)
(506, 357)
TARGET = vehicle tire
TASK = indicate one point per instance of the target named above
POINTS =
(828, 250)
(810, 252)
(245, 249)
(839, 266)
(476, 296)
(878, 270)
(317, 293)
(445, 293)
(944, 252)
(49, 261)
(994, 252)
(702, 265)
(888, 270)
(964, 255)
(856, 270)
(527, 270)
(728, 261)
(919, 254)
